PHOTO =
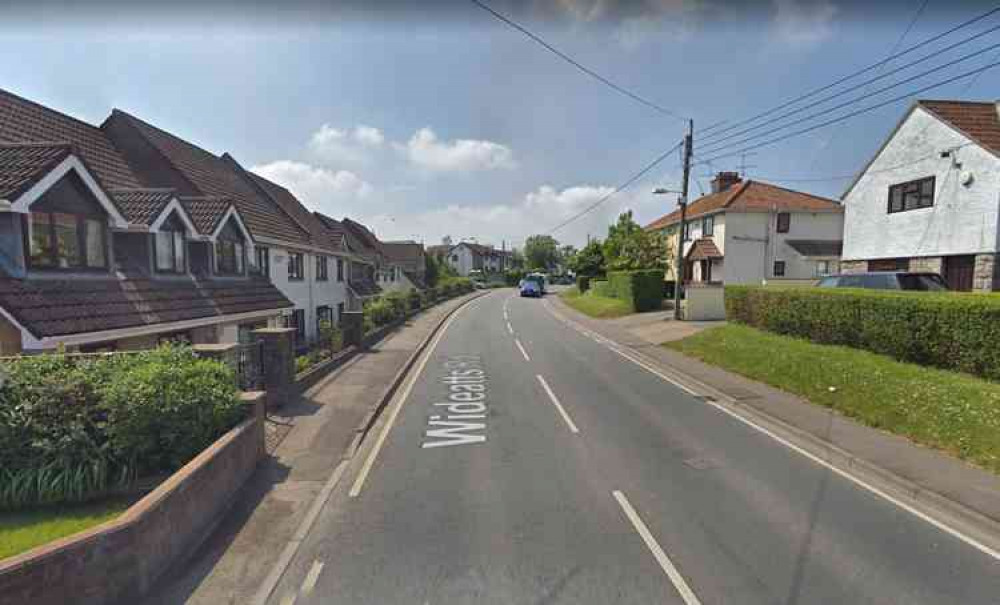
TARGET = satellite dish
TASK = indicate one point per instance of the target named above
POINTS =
(967, 177)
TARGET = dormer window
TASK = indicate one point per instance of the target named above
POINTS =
(171, 247)
(229, 251)
(67, 229)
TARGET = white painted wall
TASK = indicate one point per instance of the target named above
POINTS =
(963, 219)
(753, 244)
(308, 293)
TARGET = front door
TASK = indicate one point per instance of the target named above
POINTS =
(958, 272)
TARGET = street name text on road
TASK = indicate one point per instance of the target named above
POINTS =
(461, 419)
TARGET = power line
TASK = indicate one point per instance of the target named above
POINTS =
(576, 64)
(717, 148)
(635, 177)
(867, 82)
(841, 177)
(858, 112)
(857, 73)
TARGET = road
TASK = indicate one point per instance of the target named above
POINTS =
(528, 463)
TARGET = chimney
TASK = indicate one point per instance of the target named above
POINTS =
(724, 180)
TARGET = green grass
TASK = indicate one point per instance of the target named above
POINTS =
(596, 306)
(954, 412)
(23, 530)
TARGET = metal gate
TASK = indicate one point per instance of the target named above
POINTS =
(250, 366)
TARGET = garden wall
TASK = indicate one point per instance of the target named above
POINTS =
(120, 560)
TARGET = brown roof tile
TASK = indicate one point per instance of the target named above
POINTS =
(51, 307)
(23, 164)
(214, 176)
(403, 251)
(333, 232)
(296, 210)
(978, 120)
(206, 211)
(750, 196)
(23, 121)
(703, 248)
(142, 206)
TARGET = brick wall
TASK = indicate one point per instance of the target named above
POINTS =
(120, 560)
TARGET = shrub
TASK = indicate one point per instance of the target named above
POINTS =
(947, 330)
(414, 300)
(513, 278)
(642, 289)
(582, 283)
(331, 336)
(73, 427)
(600, 287)
(380, 312)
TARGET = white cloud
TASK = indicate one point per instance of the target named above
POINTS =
(425, 150)
(369, 135)
(336, 145)
(803, 22)
(330, 191)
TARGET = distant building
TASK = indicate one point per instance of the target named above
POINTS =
(465, 257)
(749, 232)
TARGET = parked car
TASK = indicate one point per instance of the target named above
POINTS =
(529, 287)
(539, 278)
(886, 280)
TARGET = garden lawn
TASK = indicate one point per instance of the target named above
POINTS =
(954, 412)
(23, 530)
(596, 306)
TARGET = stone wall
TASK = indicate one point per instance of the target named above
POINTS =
(853, 266)
(927, 264)
(10, 338)
(121, 560)
(984, 276)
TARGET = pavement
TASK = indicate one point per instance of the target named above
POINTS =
(525, 460)
(307, 439)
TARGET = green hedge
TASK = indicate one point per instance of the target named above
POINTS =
(642, 289)
(73, 427)
(948, 330)
(582, 283)
(600, 287)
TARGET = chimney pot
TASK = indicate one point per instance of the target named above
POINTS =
(724, 180)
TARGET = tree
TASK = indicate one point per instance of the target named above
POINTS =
(516, 259)
(431, 273)
(541, 252)
(629, 247)
(590, 260)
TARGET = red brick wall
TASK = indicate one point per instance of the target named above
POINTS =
(121, 560)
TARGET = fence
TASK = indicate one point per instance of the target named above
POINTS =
(250, 366)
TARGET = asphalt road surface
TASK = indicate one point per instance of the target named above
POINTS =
(530, 463)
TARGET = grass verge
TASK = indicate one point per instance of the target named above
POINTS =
(25, 529)
(954, 412)
(596, 306)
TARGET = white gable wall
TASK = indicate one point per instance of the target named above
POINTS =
(963, 219)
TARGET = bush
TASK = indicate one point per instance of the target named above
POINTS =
(582, 283)
(73, 427)
(380, 311)
(414, 300)
(600, 287)
(513, 278)
(947, 330)
(642, 289)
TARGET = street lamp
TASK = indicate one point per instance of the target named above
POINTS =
(679, 265)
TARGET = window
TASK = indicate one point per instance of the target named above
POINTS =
(229, 256)
(779, 268)
(823, 267)
(297, 320)
(171, 247)
(687, 231)
(324, 317)
(911, 195)
(59, 240)
(784, 222)
(340, 269)
(707, 226)
(295, 264)
(262, 261)
(321, 268)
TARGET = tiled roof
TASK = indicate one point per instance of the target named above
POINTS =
(703, 248)
(362, 234)
(816, 247)
(206, 211)
(750, 196)
(481, 249)
(142, 206)
(364, 286)
(438, 250)
(23, 164)
(333, 232)
(213, 176)
(22, 121)
(403, 251)
(51, 307)
(979, 121)
(287, 201)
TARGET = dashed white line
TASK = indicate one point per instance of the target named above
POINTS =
(661, 557)
(310, 582)
(289, 599)
(555, 402)
(509, 328)
(521, 348)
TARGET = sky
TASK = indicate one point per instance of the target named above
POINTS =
(434, 119)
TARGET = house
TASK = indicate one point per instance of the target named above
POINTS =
(290, 246)
(362, 261)
(466, 256)
(93, 259)
(750, 232)
(927, 200)
(408, 257)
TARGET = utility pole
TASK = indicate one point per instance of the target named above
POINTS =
(679, 276)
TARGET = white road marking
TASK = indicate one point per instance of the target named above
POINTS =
(555, 402)
(661, 557)
(983, 548)
(523, 352)
(289, 599)
(359, 482)
(310, 582)
(510, 329)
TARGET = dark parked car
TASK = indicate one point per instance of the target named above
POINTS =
(886, 280)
